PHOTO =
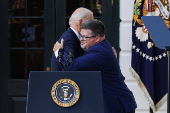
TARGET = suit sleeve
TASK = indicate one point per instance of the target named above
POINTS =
(54, 64)
(90, 61)
(69, 42)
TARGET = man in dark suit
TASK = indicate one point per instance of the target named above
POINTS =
(99, 56)
(71, 36)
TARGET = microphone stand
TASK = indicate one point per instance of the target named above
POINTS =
(60, 59)
(70, 56)
(63, 66)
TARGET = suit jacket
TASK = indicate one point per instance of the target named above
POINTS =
(71, 41)
(100, 57)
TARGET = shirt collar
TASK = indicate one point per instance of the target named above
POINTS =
(75, 32)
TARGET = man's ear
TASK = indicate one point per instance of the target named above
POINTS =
(97, 39)
(80, 21)
(79, 24)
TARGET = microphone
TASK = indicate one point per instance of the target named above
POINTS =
(60, 59)
(70, 55)
(60, 55)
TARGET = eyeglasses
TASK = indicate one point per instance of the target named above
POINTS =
(84, 37)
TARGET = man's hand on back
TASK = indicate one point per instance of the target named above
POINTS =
(58, 45)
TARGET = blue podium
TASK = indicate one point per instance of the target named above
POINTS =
(65, 92)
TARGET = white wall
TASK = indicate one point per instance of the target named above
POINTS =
(126, 14)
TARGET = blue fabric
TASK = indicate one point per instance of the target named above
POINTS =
(71, 41)
(149, 64)
(100, 57)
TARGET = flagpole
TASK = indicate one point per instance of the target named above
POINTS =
(149, 5)
(168, 100)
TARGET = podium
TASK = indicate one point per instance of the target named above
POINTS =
(41, 92)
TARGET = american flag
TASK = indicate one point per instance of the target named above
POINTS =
(149, 64)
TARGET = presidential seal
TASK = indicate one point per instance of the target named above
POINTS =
(65, 92)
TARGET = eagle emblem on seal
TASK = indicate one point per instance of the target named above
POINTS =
(65, 92)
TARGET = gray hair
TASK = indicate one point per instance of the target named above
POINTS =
(83, 13)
